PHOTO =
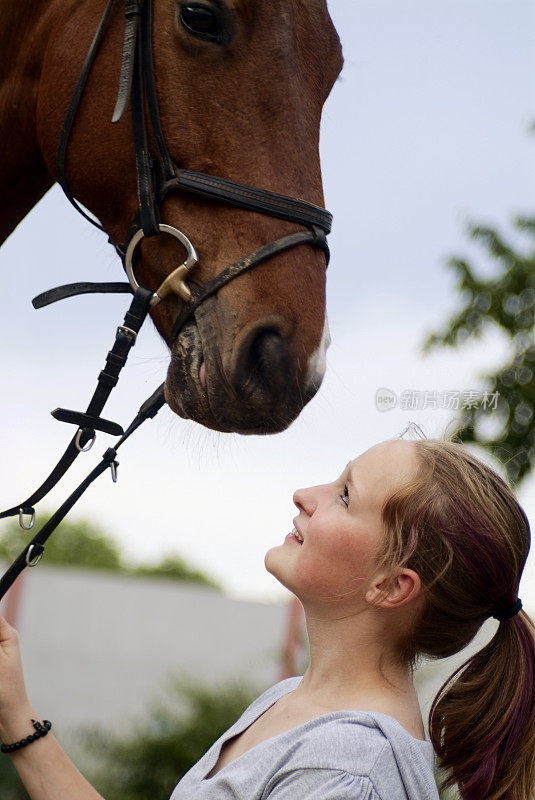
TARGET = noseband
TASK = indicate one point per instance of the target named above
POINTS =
(157, 175)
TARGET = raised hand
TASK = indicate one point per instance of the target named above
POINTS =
(45, 770)
(12, 688)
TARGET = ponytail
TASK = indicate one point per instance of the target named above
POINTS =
(458, 525)
(482, 721)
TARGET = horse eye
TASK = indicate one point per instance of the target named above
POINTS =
(201, 21)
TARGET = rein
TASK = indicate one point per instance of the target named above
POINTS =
(156, 177)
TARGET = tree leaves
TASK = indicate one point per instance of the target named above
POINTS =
(506, 302)
(82, 544)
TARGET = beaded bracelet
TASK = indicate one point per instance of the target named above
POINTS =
(40, 730)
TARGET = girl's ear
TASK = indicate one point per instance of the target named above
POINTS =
(393, 591)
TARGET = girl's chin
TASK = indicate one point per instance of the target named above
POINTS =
(269, 558)
(274, 562)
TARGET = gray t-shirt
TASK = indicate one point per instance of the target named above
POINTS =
(343, 755)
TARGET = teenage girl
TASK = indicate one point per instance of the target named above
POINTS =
(406, 554)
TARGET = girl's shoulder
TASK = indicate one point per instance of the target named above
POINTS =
(366, 746)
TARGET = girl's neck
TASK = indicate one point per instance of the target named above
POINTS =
(351, 670)
(350, 661)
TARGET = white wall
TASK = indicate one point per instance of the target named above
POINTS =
(98, 647)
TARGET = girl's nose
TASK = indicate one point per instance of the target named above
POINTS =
(304, 500)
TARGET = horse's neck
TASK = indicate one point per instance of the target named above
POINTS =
(24, 29)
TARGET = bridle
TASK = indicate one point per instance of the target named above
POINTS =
(157, 175)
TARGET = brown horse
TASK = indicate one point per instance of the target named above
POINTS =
(246, 106)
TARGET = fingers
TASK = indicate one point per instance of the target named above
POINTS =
(7, 632)
(13, 695)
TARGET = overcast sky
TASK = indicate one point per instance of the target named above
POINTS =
(426, 129)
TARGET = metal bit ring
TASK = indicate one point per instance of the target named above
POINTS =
(177, 285)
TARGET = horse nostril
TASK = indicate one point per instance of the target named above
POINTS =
(266, 351)
(263, 362)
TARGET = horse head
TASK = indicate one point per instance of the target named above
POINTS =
(240, 85)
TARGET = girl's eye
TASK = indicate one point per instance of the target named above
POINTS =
(201, 21)
(345, 496)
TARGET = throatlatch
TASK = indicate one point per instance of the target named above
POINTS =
(157, 175)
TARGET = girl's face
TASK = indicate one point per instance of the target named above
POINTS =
(341, 528)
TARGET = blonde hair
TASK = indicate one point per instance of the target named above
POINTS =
(459, 526)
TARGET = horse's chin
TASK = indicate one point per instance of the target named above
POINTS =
(212, 402)
(184, 393)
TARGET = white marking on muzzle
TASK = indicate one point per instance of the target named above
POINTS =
(317, 362)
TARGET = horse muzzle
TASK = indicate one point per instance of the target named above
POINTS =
(252, 387)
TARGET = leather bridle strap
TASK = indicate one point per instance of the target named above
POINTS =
(90, 421)
(82, 287)
(148, 214)
(73, 109)
(33, 551)
(251, 198)
(167, 168)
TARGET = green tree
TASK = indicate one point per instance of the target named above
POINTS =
(82, 544)
(174, 567)
(77, 544)
(506, 302)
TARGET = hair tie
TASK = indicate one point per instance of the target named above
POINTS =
(510, 613)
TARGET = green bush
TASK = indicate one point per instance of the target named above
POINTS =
(11, 787)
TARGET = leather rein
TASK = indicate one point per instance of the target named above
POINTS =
(157, 175)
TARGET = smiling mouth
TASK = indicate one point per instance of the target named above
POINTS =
(295, 533)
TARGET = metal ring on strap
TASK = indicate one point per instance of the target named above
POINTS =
(26, 526)
(33, 562)
(88, 445)
(175, 281)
